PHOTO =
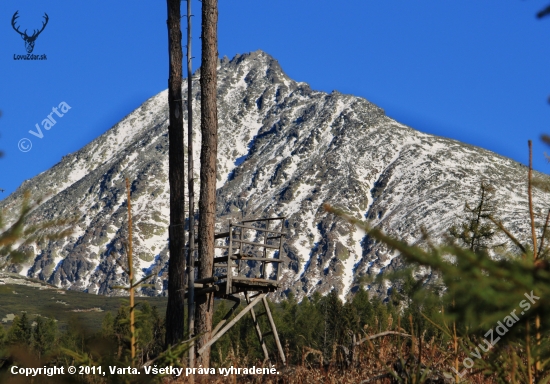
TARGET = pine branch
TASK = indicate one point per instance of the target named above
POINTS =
(510, 236)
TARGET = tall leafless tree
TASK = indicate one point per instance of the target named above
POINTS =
(191, 189)
(209, 148)
(176, 175)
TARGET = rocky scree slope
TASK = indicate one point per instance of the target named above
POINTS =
(284, 150)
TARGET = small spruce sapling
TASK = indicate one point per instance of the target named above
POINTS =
(476, 232)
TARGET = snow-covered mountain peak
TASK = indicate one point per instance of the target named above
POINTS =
(284, 149)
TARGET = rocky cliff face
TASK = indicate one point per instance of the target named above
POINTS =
(284, 150)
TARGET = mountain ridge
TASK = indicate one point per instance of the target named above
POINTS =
(284, 149)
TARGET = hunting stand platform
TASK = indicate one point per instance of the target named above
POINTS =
(249, 247)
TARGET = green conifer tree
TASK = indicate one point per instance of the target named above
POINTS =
(107, 325)
(361, 302)
(20, 330)
(476, 231)
(332, 313)
(44, 335)
(308, 326)
(3, 338)
(4, 353)
(149, 332)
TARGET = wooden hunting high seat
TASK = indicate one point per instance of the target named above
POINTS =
(255, 248)
(249, 245)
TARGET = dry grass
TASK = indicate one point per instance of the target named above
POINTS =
(374, 363)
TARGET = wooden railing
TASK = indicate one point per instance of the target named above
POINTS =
(239, 248)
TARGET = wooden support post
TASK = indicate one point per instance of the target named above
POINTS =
(266, 233)
(274, 329)
(230, 324)
(258, 329)
(241, 238)
(228, 289)
(280, 266)
(228, 314)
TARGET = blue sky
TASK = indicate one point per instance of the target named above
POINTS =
(476, 71)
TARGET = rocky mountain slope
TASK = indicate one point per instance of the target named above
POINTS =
(284, 149)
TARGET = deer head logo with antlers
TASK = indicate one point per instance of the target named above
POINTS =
(29, 40)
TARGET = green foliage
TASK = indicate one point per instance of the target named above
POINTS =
(62, 305)
(301, 324)
(417, 302)
(149, 332)
(23, 234)
(44, 335)
(480, 292)
(3, 335)
(3, 346)
(364, 307)
(334, 323)
(477, 231)
(323, 324)
(20, 331)
(107, 325)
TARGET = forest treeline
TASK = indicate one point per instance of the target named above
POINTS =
(318, 331)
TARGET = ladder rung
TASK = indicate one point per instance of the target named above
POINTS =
(259, 229)
(264, 259)
(256, 244)
(265, 219)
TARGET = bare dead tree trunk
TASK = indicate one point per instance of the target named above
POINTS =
(176, 175)
(209, 147)
(129, 256)
(191, 189)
